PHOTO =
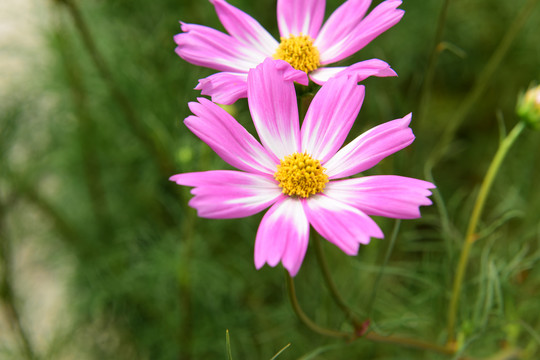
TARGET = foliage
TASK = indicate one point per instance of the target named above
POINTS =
(87, 150)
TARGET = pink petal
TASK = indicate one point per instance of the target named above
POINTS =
(228, 138)
(358, 71)
(330, 117)
(385, 195)
(245, 28)
(297, 17)
(204, 46)
(226, 194)
(347, 32)
(283, 236)
(342, 21)
(224, 87)
(341, 224)
(369, 148)
(272, 103)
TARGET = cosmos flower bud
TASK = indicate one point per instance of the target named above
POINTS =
(528, 107)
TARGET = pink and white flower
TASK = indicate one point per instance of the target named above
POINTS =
(295, 170)
(306, 43)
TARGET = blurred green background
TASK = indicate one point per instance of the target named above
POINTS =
(102, 259)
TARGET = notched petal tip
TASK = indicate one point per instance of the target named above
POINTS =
(184, 26)
(176, 178)
(177, 38)
(224, 87)
(407, 119)
(387, 72)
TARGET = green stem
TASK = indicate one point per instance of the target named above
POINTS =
(133, 121)
(432, 61)
(7, 293)
(334, 292)
(26, 191)
(372, 336)
(305, 319)
(185, 286)
(411, 343)
(86, 132)
(484, 78)
(471, 235)
(393, 238)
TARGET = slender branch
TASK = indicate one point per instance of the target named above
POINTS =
(101, 65)
(372, 336)
(393, 238)
(471, 235)
(334, 292)
(86, 133)
(185, 288)
(20, 186)
(432, 62)
(161, 157)
(7, 295)
(412, 343)
(484, 78)
(305, 319)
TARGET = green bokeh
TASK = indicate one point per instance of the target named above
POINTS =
(85, 161)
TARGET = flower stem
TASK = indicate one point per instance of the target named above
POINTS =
(484, 78)
(432, 62)
(87, 133)
(133, 121)
(372, 336)
(389, 250)
(338, 299)
(304, 318)
(471, 235)
(412, 343)
(7, 292)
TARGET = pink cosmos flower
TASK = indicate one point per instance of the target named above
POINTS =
(304, 43)
(295, 170)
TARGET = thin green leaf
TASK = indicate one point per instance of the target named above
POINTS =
(228, 344)
(322, 349)
(280, 351)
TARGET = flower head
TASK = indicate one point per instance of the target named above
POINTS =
(296, 170)
(305, 43)
(528, 107)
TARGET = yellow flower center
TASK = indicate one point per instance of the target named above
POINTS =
(300, 175)
(299, 52)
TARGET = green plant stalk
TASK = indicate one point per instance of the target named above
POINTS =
(432, 62)
(86, 131)
(184, 286)
(304, 318)
(483, 79)
(410, 343)
(228, 345)
(334, 292)
(471, 236)
(184, 270)
(389, 250)
(25, 191)
(372, 336)
(7, 293)
(134, 123)
(280, 351)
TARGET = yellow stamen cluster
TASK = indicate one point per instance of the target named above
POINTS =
(301, 175)
(298, 51)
